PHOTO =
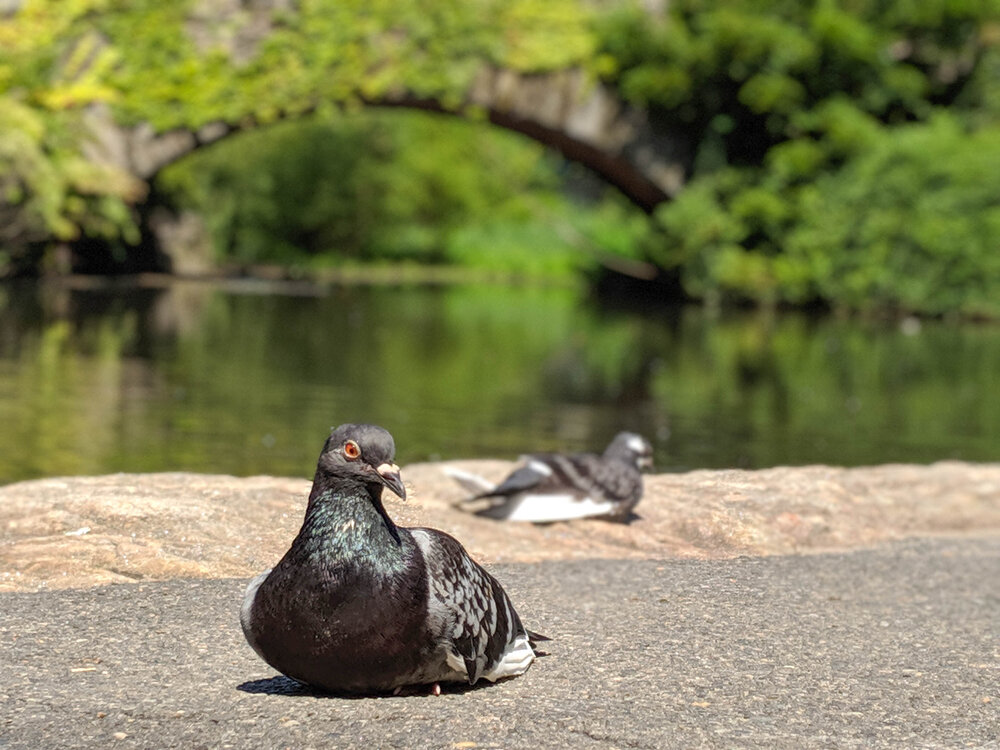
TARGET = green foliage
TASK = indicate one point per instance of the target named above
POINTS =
(48, 190)
(184, 64)
(824, 167)
(394, 186)
(798, 114)
(909, 222)
(914, 223)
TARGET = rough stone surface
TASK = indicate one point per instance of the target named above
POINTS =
(81, 531)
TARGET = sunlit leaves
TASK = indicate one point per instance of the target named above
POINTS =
(771, 92)
(808, 181)
(185, 63)
(544, 35)
(48, 189)
(910, 223)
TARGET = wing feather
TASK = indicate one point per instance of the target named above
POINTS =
(470, 613)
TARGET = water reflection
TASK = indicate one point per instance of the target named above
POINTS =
(243, 380)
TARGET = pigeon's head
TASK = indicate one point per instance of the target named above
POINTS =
(362, 452)
(631, 448)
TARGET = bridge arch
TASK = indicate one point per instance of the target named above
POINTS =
(584, 121)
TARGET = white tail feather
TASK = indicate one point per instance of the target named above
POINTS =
(515, 661)
(472, 482)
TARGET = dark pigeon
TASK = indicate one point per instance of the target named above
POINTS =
(555, 487)
(360, 605)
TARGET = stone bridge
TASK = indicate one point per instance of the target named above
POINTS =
(585, 121)
(566, 109)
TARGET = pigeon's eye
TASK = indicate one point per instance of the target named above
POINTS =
(352, 450)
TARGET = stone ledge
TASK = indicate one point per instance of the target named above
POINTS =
(84, 531)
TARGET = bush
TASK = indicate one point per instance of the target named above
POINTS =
(910, 222)
(841, 154)
(50, 193)
(913, 223)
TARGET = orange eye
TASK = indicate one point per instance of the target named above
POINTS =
(351, 450)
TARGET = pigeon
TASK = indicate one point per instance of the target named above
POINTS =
(361, 605)
(555, 487)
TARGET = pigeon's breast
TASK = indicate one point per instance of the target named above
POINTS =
(343, 630)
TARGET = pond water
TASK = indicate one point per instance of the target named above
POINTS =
(244, 379)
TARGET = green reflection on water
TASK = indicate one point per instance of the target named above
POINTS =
(200, 378)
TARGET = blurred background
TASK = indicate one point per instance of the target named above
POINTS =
(758, 232)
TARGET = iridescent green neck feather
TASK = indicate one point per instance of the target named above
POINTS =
(349, 525)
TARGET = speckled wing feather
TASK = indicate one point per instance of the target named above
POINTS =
(598, 478)
(529, 477)
(469, 613)
(583, 475)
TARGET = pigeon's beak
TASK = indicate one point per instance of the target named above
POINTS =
(391, 479)
(645, 463)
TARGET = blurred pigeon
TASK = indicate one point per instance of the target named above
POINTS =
(361, 605)
(556, 487)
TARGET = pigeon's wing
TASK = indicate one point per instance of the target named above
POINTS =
(528, 477)
(519, 491)
(601, 480)
(556, 487)
(523, 479)
(580, 474)
(470, 614)
(576, 486)
(500, 501)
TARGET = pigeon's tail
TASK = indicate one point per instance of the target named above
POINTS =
(534, 639)
(472, 482)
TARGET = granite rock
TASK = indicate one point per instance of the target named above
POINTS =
(84, 531)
